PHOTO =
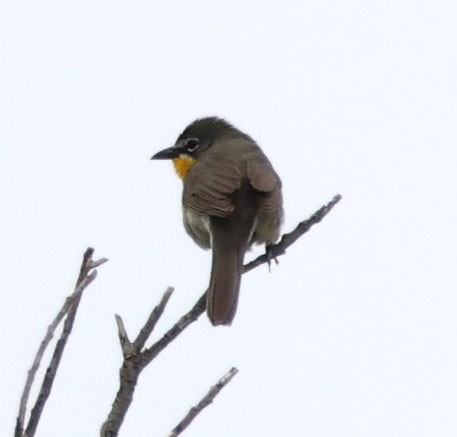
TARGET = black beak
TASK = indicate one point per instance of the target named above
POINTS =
(170, 153)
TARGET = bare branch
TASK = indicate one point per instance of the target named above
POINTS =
(128, 376)
(287, 240)
(69, 310)
(206, 400)
(136, 362)
(126, 346)
(275, 250)
(98, 262)
(171, 334)
(153, 319)
(36, 363)
(132, 366)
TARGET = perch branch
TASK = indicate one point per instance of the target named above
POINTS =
(275, 251)
(139, 359)
(287, 240)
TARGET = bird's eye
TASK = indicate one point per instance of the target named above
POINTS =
(192, 145)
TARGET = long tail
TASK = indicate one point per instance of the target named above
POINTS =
(227, 267)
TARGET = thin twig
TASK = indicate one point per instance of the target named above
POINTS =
(152, 319)
(36, 363)
(136, 362)
(205, 401)
(68, 309)
(188, 318)
(126, 345)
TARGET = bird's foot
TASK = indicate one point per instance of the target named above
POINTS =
(270, 256)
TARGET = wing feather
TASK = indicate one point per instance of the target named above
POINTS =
(209, 187)
(262, 175)
(263, 178)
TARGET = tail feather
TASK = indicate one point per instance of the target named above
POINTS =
(229, 241)
(224, 286)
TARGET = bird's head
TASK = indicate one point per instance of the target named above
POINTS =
(195, 140)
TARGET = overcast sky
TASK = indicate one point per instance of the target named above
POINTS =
(354, 333)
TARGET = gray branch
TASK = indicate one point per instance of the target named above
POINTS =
(206, 400)
(69, 309)
(139, 358)
(152, 320)
(287, 240)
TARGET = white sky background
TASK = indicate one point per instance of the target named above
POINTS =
(354, 334)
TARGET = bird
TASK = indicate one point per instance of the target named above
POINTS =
(231, 199)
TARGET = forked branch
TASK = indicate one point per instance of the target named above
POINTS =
(135, 355)
(136, 358)
(86, 275)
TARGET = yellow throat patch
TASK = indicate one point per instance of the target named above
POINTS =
(183, 164)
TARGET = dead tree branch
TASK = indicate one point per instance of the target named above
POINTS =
(136, 359)
(86, 275)
(287, 240)
(206, 400)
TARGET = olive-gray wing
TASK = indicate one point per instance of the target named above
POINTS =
(209, 187)
(263, 178)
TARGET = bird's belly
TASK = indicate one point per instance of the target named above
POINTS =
(266, 231)
(197, 226)
(267, 227)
